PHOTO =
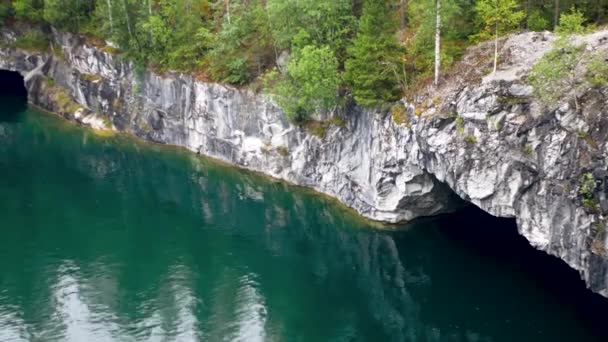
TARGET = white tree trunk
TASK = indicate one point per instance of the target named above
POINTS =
(124, 3)
(437, 40)
(110, 16)
(496, 49)
(149, 7)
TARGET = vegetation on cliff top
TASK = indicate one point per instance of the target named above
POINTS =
(310, 54)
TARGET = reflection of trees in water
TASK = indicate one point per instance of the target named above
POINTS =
(177, 247)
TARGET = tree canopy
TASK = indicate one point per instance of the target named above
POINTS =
(318, 53)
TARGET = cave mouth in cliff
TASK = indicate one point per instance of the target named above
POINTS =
(498, 238)
(13, 96)
(12, 84)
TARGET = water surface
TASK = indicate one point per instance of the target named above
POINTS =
(109, 239)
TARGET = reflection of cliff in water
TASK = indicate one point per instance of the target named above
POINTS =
(155, 245)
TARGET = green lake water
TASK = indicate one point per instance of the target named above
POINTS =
(111, 239)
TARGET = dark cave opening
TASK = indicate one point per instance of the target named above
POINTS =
(498, 238)
(13, 95)
(12, 84)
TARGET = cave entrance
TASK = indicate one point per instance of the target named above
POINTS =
(13, 95)
(12, 84)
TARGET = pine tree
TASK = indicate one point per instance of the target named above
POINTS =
(373, 55)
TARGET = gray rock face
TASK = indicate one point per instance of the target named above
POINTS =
(486, 140)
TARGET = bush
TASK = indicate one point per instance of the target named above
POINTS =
(470, 139)
(30, 10)
(554, 74)
(311, 83)
(597, 69)
(536, 21)
(5, 11)
(33, 40)
(587, 185)
(571, 23)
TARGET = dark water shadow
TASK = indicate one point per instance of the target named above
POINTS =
(13, 96)
(497, 239)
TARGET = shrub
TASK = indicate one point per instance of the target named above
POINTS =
(597, 69)
(399, 114)
(460, 125)
(470, 139)
(311, 83)
(536, 21)
(571, 23)
(33, 40)
(587, 185)
(5, 11)
(554, 74)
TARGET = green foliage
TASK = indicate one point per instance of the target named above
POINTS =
(470, 139)
(29, 10)
(495, 18)
(587, 185)
(242, 47)
(325, 22)
(67, 14)
(311, 83)
(399, 114)
(537, 21)
(460, 125)
(373, 55)
(552, 76)
(33, 40)
(571, 23)
(367, 53)
(597, 69)
(6, 10)
(420, 49)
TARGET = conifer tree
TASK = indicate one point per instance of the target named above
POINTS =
(373, 56)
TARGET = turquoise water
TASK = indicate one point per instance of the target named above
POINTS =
(109, 239)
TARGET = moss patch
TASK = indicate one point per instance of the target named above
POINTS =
(319, 128)
(316, 128)
(399, 114)
(91, 78)
(513, 100)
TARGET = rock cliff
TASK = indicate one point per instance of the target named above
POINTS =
(482, 137)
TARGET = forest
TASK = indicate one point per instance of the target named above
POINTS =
(311, 54)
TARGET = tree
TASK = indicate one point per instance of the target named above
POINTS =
(497, 17)
(29, 9)
(437, 40)
(326, 22)
(571, 23)
(234, 57)
(67, 14)
(5, 10)
(555, 14)
(372, 55)
(311, 83)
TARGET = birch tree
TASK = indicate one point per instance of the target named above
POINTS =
(437, 40)
(497, 17)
